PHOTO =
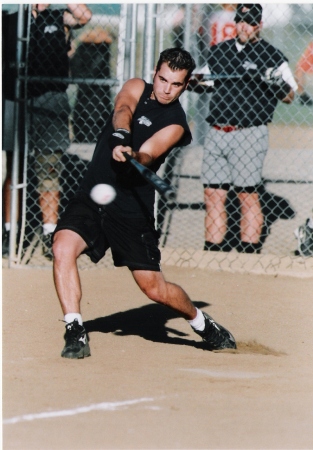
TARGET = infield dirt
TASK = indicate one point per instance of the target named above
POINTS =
(148, 383)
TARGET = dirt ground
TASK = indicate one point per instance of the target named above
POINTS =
(148, 383)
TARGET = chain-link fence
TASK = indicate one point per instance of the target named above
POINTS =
(55, 135)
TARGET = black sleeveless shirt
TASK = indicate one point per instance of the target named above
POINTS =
(245, 101)
(135, 197)
(48, 48)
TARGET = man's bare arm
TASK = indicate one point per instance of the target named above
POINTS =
(126, 102)
(78, 15)
(289, 98)
(154, 147)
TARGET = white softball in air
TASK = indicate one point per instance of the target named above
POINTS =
(103, 194)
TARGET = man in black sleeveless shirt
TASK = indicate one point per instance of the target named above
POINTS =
(49, 109)
(148, 121)
(49, 106)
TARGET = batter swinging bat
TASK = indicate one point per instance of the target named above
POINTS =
(159, 185)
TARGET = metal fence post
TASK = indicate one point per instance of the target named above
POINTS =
(120, 69)
(149, 41)
(18, 130)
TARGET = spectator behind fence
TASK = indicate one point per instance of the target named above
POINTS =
(148, 121)
(93, 105)
(216, 27)
(49, 108)
(237, 141)
(304, 67)
(220, 25)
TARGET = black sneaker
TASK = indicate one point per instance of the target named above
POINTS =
(304, 234)
(305, 99)
(5, 243)
(215, 336)
(47, 246)
(76, 341)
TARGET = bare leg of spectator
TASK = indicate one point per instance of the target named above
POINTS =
(49, 203)
(6, 201)
(216, 216)
(251, 217)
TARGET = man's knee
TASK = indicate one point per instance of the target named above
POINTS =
(67, 245)
(48, 167)
(48, 185)
(152, 284)
(152, 291)
(249, 201)
(215, 195)
(59, 245)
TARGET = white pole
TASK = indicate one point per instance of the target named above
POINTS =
(133, 41)
(149, 42)
(18, 130)
(120, 63)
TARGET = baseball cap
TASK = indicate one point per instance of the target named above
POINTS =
(250, 13)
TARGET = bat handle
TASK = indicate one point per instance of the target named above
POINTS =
(170, 195)
(127, 156)
(160, 185)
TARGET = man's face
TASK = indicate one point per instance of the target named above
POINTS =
(247, 33)
(169, 84)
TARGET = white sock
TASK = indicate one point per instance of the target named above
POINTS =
(310, 222)
(198, 322)
(7, 226)
(70, 317)
(48, 228)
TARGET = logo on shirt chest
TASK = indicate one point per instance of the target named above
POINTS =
(248, 65)
(143, 120)
(50, 29)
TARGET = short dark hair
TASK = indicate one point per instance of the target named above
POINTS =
(177, 59)
(250, 13)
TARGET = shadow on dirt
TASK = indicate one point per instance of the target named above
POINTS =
(148, 322)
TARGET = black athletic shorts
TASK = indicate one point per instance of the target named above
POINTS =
(133, 241)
